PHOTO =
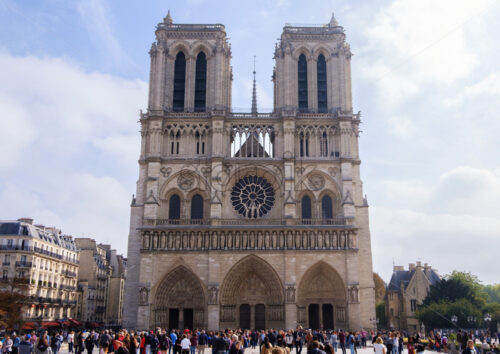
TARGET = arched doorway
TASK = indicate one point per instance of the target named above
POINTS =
(251, 296)
(322, 301)
(180, 301)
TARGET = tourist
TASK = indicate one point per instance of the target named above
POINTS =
(43, 343)
(193, 339)
(71, 341)
(266, 347)
(470, 349)
(56, 342)
(379, 346)
(333, 341)
(7, 344)
(342, 341)
(202, 342)
(25, 346)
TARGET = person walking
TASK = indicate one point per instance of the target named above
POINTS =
(379, 346)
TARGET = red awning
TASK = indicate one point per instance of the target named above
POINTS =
(75, 322)
(50, 324)
(94, 324)
(29, 326)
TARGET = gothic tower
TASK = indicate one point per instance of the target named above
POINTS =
(252, 220)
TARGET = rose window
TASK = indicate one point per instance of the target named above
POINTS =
(252, 196)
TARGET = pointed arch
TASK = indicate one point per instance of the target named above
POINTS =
(321, 283)
(321, 84)
(252, 280)
(180, 290)
(179, 81)
(302, 82)
(200, 90)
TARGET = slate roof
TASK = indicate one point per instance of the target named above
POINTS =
(405, 277)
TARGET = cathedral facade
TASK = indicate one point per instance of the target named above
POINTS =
(252, 220)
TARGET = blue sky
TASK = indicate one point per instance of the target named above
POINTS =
(426, 77)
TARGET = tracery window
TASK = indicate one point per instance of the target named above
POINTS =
(306, 207)
(197, 207)
(326, 207)
(179, 82)
(322, 92)
(200, 87)
(174, 207)
(252, 196)
(324, 145)
(302, 82)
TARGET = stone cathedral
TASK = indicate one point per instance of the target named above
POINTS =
(252, 220)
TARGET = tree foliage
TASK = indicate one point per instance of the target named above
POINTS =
(456, 286)
(12, 300)
(379, 288)
(380, 312)
(460, 294)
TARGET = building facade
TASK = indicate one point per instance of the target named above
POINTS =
(252, 220)
(93, 280)
(116, 289)
(406, 290)
(42, 263)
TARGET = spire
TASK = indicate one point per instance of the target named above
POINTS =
(254, 91)
(168, 20)
(333, 22)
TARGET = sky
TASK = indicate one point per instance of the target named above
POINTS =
(426, 78)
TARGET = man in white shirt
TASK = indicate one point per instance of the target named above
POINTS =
(185, 345)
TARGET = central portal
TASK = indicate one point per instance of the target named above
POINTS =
(249, 289)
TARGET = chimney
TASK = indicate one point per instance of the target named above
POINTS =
(26, 220)
(411, 266)
(398, 268)
(419, 264)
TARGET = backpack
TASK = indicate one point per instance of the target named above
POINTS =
(41, 345)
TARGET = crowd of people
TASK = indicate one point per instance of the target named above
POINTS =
(271, 341)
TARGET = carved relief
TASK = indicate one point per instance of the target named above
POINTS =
(213, 295)
(143, 296)
(185, 181)
(316, 182)
(165, 171)
(290, 294)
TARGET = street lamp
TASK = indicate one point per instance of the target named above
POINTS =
(487, 318)
(471, 319)
(454, 319)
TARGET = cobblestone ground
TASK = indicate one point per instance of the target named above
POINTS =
(369, 350)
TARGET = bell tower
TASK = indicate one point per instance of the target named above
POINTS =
(190, 68)
(313, 69)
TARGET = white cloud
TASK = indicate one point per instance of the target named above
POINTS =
(447, 242)
(420, 42)
(67, 137)
(94, 15)
(448, 224)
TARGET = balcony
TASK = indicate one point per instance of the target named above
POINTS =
(100, 309)
(67, 287)
(15, 248)
(68, 273)
(24, 264)
(22, 280)
(6, 264)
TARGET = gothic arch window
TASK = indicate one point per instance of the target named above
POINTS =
(174, 207)
(306, 209)
(322, 93)
(324, 145)
(326, 207)
(179, 82)
(198, 141)
(200, 86)
(302, 82)
(197, 207)
(177, 142)
(301, 144)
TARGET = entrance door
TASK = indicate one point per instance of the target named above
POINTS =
(314, 316)
(188, 318)
(173, 318)
(245, 316)
(327, 316)
(260, 317)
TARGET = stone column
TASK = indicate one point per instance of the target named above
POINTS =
(190, 83)
(252, 316)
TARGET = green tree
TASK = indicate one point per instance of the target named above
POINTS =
(380, 311)
(12, 300)
(456, 286)
(379, 288)
(439, 314)
(493, 293)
